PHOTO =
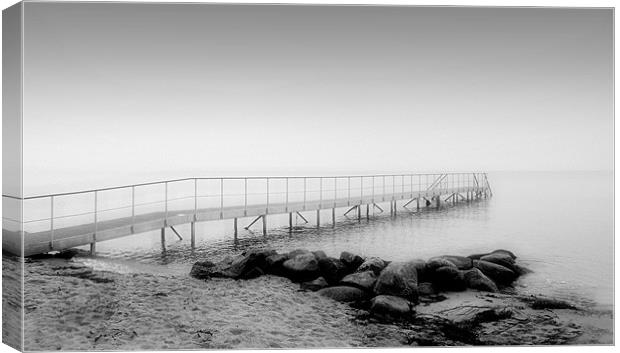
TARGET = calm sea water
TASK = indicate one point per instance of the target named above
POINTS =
(559, 224)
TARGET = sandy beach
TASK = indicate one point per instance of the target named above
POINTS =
(68, 306)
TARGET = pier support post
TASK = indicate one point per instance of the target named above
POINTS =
(264, 224)
(438, 201)
(193, 235)
(318, 218)
(163, 239)
(391, 208)
(394, 207)
(417, 204)
(333, 217)
(367, 211)
(290, 222)
(359, 212)
(235, 227)
(93, 248)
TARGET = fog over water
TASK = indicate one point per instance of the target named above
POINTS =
(127, 93)
(564, 235)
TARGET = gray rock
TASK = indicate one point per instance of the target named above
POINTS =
(275, 264)
(332, 269)
(343, 294)
(202, 269)
(303, 267)
(498, 251)
(390, 307)
(399, 279)
(437, 262)
(500, 258)
(351, 261)
(461, 262)
(362, 280)
(449, 278)
(475, 279)
(296, 252)
(498, 273)
(374, 264)
(426, 289)
(319, 254)
(315, 285)
(420, 266)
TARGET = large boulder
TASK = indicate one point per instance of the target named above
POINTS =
(437, 262)
(498, 273)
(399, 279)
(500, 258)
(390, 307)
(362, 280)
(461, 262)
(275, 264)
(332, 269)
(426, 289)
(475, 279)
(292, 254)
(315, 285)
(319, 254)
(351, 261)
(343, 294)
(374, 264)
(449, 278)
(303, 267)
(202, 269)
(420, 266)
(250, 264)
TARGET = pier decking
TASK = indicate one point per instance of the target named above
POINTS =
(87, 217)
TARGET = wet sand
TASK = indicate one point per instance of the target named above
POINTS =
(71, 307)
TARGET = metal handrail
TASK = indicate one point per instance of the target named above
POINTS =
(163, 182)
(352, 188)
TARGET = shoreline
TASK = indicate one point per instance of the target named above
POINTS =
(82, 309)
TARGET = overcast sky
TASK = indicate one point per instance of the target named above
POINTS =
(137, 92)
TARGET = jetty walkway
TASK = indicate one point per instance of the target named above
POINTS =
(40, 224)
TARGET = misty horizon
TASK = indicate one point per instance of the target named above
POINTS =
(289, 90)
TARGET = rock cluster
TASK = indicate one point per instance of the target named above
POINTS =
(388, 289)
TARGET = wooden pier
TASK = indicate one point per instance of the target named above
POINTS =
(88, 217)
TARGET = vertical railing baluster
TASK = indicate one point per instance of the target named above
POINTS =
(267, 209)
(383, 195)
(335, 191)
(348, 191)
(320, 192)
(221, 198)
(195, 199)
(286, 208)
(373, 190)
(166, 205)
(52, 222)
(133, 207)
(92, 247)
(245, 196)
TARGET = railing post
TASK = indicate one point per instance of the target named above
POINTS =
(267, 209)
(373, 189)
(133, 208)
(93, 245)
(52, 223)
(221, 198)
(348, 191)
(383, 195)
(166, 205)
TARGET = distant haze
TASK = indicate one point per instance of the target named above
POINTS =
(122, 93)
